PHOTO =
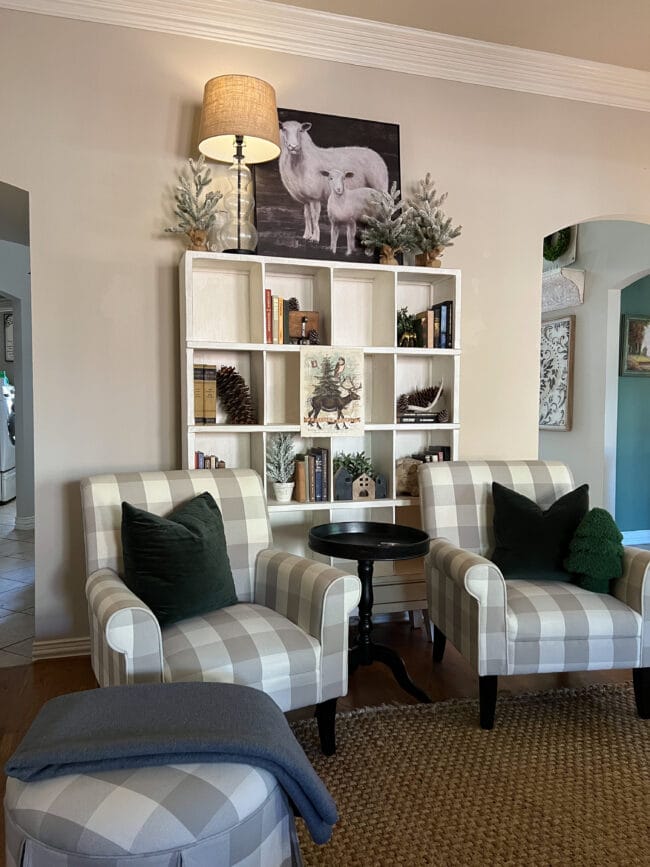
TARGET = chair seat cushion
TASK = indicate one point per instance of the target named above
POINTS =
(146, 810)
(552, 610)
(247, 644)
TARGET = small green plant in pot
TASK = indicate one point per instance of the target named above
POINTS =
(280, 465)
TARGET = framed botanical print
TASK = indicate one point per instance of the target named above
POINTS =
(635, 344)
(556, 373)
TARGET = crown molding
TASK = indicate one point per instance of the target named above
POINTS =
(356, 41)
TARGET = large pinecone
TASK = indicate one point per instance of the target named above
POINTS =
(235, 397)
(422, 397)
(293, 304)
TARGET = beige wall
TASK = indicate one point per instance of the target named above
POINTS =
(96, 122)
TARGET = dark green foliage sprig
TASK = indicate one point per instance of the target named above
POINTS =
(356, 465)
(556, 244)
(405, 321)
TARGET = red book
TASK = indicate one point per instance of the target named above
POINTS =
(268, 316)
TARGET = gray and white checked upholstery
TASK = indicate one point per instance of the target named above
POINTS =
(198, 815)
(521, 626)
(288, 634)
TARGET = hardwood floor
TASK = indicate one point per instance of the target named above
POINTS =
(24, 689)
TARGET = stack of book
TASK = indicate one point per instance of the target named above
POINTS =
(283, 325)
(207, 462)
(418, 418)
(433, 328)
(312, 476)
(205, 394)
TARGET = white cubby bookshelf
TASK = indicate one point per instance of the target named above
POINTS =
(222, 312)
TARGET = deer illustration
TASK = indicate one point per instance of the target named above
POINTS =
(334, 403)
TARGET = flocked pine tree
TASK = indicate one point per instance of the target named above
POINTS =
(387, 228)
(195, 216)
(432, 231)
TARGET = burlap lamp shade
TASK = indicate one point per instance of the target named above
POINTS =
(239, 105)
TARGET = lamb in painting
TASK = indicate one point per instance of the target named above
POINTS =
(301, 162)
(345, 206)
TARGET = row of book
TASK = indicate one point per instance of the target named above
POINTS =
(434, 327)
(311, 476)
(207, 462)
(283, 325)
(205, 394)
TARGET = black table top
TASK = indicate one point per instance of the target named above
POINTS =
(368, 540)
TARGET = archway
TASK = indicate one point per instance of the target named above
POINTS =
(613, 253)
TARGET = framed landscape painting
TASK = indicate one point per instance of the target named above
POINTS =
(635, 344)
(556, 373)
(322, 156)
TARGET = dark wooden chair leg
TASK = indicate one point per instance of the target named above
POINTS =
(487, 692)
(326, 719)
(439, 641)
(641, 678)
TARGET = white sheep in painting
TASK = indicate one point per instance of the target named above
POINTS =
(302, 162)
(345, 206)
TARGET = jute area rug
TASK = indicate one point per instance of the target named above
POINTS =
(563, 779)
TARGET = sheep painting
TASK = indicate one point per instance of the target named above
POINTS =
(346, 205)
(314, 195)
(302, 163)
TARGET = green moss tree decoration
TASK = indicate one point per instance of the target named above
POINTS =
(596, 552)
(196, 210)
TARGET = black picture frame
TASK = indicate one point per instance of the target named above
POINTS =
(343, 144)
(10, 353)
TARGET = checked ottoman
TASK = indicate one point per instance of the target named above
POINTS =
(199, 815)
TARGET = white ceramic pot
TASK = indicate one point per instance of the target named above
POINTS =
(283, 491)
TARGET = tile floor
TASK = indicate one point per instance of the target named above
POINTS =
(16, 590)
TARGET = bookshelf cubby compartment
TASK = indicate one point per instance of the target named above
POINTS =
(223, 322)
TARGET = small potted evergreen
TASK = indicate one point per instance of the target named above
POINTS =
(432, 231)
(280, 465)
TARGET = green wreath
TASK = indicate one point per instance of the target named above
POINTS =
(557, 244)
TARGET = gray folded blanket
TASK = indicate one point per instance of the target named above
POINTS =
(175, 723)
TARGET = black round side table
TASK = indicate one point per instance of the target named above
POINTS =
(365, 542)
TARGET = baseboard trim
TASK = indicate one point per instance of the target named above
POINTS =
(636, 537)
(60, 647)
(24, 523)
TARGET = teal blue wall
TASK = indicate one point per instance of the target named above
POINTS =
(633, 437)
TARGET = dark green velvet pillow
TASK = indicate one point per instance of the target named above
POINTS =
(596, 552)
(178, 565)
(531, 542)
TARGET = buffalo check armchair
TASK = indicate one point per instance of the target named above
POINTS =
(287, 635)
(519, 626)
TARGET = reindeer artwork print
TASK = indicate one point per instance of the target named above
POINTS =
(331, 395)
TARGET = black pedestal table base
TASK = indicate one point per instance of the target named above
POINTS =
(365, 542)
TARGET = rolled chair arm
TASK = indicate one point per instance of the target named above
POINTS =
(466, 594)
(122, 624)
(318, 599)
(476, 574)
(633, 588)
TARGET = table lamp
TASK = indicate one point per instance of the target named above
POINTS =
(239, 114)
